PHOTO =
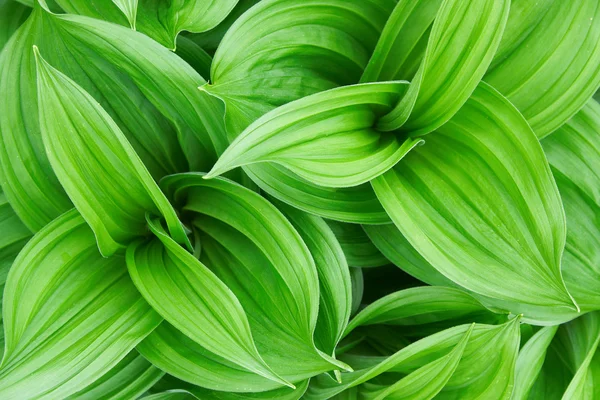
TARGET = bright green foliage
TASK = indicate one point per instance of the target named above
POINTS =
(286, 200)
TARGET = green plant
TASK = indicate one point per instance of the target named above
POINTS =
(282, 199)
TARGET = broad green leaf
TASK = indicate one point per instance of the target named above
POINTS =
(194, 55)
(358, 248)
(486, 367)
(548, 63)
(279, 51)
(112, 10)
(530, 360)
(96, 165)
(193, 299)
(129, 379)
(149, 92)
(427, 381)
(335, 285)
(259, 255)
(394, 246)
(326, 138)
(479, 202)
(67, 330)
(573, 152)
(416, 306)
(12, 15)
(164, 20)
(129, 8)
(210, 40)
(463, 40)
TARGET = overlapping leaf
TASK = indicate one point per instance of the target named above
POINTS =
(358, 248)
(96, 165)
(548, 63)
(65, 331)
(487, 219)
(12, 15)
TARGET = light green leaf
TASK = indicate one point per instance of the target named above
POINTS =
(96, 165)
(573, 152)
(164, 20)
(327, 138)
(548, 63)
(129, 8)
(193, 299)
(489, 220)
(108, 11)
(67, 330)
(463, 40)
(358, 248)
(297, 51)
(12, 15)
(171, 395)
(530, 360)
(427, 381)
(130, 378)
(416, 306)
(335, 285)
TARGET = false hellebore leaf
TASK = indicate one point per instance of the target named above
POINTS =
(530, 68)
(66, 330)
(574, 155)
(12, 15)
(327, 138)
(96, 165)
(487, 219)
(460, 46)
(259, 255)
(358, 248)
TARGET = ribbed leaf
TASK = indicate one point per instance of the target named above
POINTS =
(96, 165)
(488, 219)
(12, 15)
(109, 10)
(574, 155)
(193, 299)
(416, 306)
(70, 315)
(163, 20)
(358, 248)
(129, 379)
(171, 395)
(530, 361)
(548, 63)
(129, 8)
(463, 40)
(194, 55)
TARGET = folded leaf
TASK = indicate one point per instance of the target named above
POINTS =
(193, 299)
(129, 8)
(163, 20)
(335, 285)
(96, 165)
(112, 11)
(12, 15)
(530, 360)
(255, 250)
(548, 63)
(129, 379)
(463, 40)
(358, 248)
(296, 51)
(68, 329)
(489, 220)
(573, 152)
(416, 306)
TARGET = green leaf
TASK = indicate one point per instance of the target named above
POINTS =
(259, 255)
(211, 315)
(530, 360)
(356, 276)
(335, 285)
(463, 40)
(96, 165)
(129, 379)
(129, 8)
(327, 138)
(12, 15)
(548, 63)
(358, 248)
(479, 202)
(164, 20)
(416, 306)
(67, 330)
(297, 51)
(171, 395)
(194, 55)
(111, 11)
(573, 152)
